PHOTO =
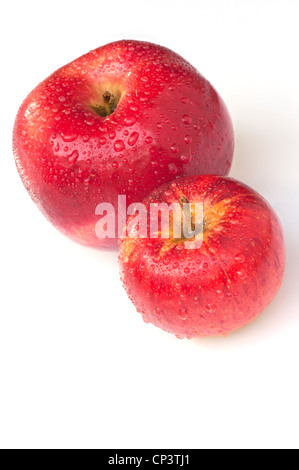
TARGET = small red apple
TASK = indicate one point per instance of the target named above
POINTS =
(220, 286)
(120, 120)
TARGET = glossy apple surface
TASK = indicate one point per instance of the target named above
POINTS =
(219, 287)
(120, 120)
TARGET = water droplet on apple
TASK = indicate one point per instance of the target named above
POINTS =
(220, 293)
(184, 100)
(73, 157)
(172, 168)
(90, 122)
(172, 87)
(188, 139)
(240, 258)
(211, 308)
(183, 314)
(241, 274)
(158, 311)
(86, 138)
(186, 158)
(130, 120)
(103, 128)
(148, 140)
(69, 137)
(186, 119)
(115, 164)
(112, 135)
(174, 148)
(102, 140)
(133, 138)
(134, 108)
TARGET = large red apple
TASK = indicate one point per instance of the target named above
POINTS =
(215, 288)
(121, 119)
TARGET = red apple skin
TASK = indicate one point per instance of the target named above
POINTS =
(219, 287)
(169, 122)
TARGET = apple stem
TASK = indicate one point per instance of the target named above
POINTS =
(106, 98)
(187, 212)
(107, 106)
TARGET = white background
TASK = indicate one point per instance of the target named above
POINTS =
(78, 367)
